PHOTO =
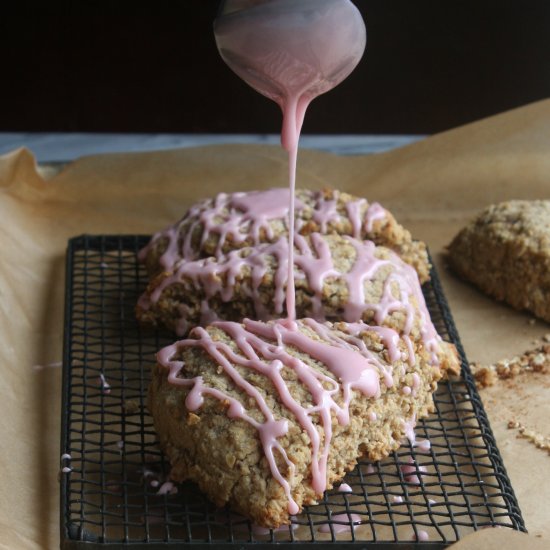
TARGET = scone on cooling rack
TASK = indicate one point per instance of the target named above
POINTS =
(505, 251)
(265, 418)
(236, 220)
(336, 278)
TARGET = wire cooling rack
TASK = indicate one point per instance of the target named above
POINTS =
(114, 479)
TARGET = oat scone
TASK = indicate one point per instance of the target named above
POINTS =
(266, 416)
(236, 220)
(505, 251)
(336, 278)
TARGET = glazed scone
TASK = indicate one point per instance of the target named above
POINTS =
(336, 278)
(237, 220)
(265, 417)
(505, 251)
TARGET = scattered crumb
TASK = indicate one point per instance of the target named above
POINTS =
(484, 376)
(538, 440)
(193, 419)
(532, 321)
(534, 360)
(131, 406)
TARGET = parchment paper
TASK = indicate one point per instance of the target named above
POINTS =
(433, 187)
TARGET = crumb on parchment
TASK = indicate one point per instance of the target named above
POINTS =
(533, 360)
(537, 439)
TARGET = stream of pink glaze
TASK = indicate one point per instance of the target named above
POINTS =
(292, 51)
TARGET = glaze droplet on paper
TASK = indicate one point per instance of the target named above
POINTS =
(412, 472)
(343, 522)
(104, 385)
(421, 536)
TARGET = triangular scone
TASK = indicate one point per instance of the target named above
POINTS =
(336, 278)
(265, 417)
(505, 251)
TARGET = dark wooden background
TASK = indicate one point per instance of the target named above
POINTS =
(430, 65)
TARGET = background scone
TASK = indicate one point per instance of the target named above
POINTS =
(265, 418)
(505, 251)
(231, 221)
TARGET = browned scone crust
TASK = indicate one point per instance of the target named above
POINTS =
(225, 457)
(505, 251)
(384, 231)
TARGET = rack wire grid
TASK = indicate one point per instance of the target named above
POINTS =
(113, 481)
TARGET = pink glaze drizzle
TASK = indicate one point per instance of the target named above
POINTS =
(238, 217)
(408, 426)
(412, 472)
(167, 488)
(424, 445)
(233, 217)
(313, 261)
(264, 348)
(375, 212)
(105, 386)
(354, 214)
(325, 212)
(421, 536)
